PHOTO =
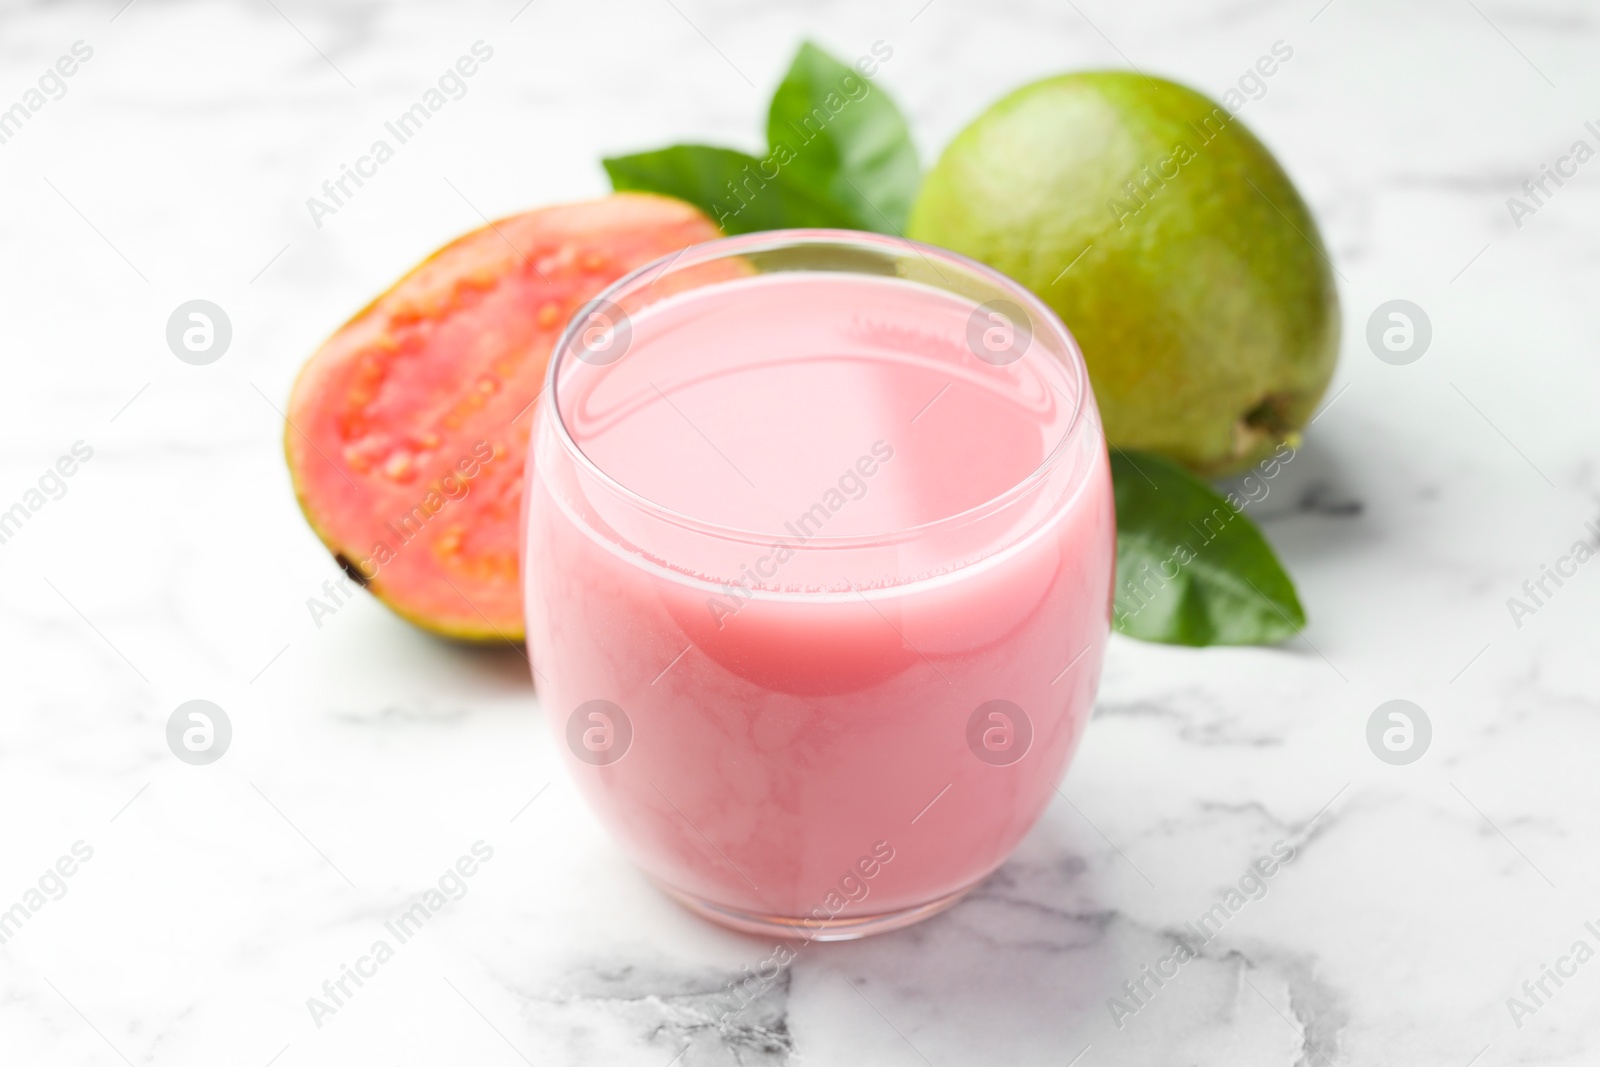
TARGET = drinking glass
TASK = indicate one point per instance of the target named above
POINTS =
(819, 549)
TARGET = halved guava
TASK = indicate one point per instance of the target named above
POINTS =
(408, 428)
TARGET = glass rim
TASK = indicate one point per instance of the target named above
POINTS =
(775, 240)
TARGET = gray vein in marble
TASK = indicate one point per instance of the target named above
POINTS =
(1210, 726)
(689, 1011)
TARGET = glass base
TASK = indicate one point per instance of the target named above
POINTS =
(790, 928)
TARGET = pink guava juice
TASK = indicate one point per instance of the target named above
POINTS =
(818, 573)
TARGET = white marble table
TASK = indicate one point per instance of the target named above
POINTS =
(366, 758)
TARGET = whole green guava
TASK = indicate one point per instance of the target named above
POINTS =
(1169, 241)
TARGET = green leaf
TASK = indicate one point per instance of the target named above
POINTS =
(849, 143)
(839, 156)
(1191, 568)
(725, 184)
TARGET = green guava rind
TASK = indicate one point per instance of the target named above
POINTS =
(1203, 298)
